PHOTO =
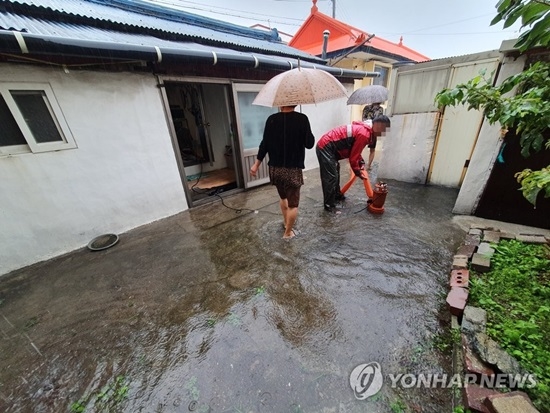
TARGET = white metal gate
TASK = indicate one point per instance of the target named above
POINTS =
(250, 125)
(459, 128)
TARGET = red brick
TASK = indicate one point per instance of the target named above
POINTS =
(460, 278)
(456, 299)
(467, 250)
(473, 397)
(513, 402)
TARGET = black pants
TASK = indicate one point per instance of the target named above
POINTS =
(329, 168)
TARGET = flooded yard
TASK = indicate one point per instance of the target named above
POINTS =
(211, 311)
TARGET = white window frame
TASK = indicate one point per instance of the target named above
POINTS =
(58, 118)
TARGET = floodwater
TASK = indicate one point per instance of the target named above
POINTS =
(211, 311)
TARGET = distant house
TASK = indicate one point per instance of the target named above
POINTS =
(352, 48)
(116, 113)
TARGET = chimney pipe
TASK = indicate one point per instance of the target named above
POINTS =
(326, 34)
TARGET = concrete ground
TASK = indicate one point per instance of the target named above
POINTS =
(212, 311)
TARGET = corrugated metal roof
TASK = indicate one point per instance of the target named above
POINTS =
(9, 21)
(160, 19)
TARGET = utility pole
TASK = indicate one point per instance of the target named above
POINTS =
(333, 9)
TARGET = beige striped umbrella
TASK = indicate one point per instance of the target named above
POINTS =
(298, 87)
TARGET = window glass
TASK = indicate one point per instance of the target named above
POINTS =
(253, 119)
(382, 80)
(10, 134)
(33, 107)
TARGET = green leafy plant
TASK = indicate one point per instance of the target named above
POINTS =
(461, 409)
(528, 111)
(234, 319)
(107, 399)
(398, 406)
(445, 341)
(533, 13)
(532, 182)
(515, 294)
(191, 387)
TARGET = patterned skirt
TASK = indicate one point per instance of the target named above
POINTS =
(286, 177)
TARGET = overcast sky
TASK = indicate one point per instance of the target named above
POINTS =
(435, 28)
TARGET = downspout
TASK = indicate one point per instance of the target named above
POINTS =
(18, 43)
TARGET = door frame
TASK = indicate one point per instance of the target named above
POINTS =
(248, 156)
(230, 105)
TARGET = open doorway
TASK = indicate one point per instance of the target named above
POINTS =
(204, 128)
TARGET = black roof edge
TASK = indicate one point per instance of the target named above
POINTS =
(17, 43)
(368, 49)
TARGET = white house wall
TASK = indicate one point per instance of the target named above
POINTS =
(122, 174)
(324, 117)
(486, 151)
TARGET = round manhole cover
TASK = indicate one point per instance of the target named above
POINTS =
(103, 242)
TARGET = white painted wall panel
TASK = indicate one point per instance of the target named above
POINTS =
(416, 89)
(408, 147)
(123, 173)
(486, 150)
(459, 129)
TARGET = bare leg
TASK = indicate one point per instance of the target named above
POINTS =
(291, 215)
(283, 203)
(371, 157)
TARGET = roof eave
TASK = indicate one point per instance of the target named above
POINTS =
(25, 44)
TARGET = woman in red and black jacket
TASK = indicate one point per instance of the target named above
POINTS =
(347, 141)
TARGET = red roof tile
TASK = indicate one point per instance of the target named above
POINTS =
(309, 38)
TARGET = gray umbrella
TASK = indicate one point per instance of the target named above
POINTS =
(368, 94)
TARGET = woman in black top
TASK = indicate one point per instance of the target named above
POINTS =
(287, 134)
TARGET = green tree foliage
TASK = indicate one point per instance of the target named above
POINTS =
(528, 110)
(533, 13)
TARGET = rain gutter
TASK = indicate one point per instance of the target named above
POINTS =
(15, 42)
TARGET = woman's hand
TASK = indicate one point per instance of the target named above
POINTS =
(254, 168)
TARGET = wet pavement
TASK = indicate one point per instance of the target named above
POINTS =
(211, 311)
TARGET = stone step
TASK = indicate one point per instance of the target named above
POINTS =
(513, 402)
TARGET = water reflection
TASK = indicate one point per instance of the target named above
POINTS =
(212, 311)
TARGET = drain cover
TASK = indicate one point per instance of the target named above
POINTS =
(103, 242)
